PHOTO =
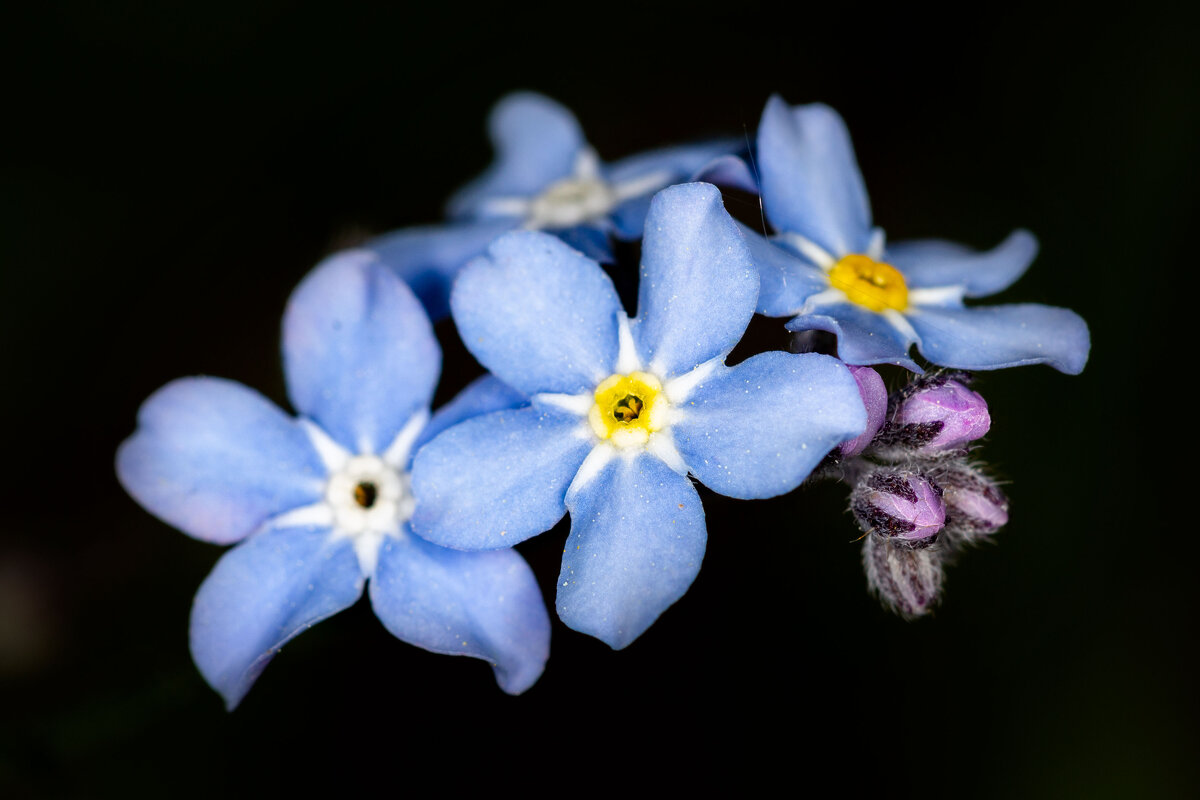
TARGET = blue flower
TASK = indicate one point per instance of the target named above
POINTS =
(545, 177)
(622, 410)
(320, 503)
(831, 271)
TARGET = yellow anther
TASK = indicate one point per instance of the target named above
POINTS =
(628, 408)
(870, 283)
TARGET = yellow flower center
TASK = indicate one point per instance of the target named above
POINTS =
(870, 283)
(628, 408)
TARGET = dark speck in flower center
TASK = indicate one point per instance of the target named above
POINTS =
(365, 494)
(628, 408)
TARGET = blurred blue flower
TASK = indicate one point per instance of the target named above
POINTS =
(622, 410)
(320, 503)
(830, 270)
(545, 177)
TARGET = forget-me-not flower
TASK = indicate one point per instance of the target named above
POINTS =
(623, 410)
(320, 504)
(545, 177)
(830, 270)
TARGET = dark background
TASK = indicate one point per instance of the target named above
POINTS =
(173, 173)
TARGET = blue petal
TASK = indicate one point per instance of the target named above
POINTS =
(674, 164)
(785, 281)
(810, 179)
(994, 337)
(758, 429)
(537, 314)
(498, 479)
(536, 142)
(216, 460)
(698, 286)
(730, 171)
(482, 396)
(428, 258)
(864, 337)
(933, 263)
(262, 593)
(637, 540)
(485, 605)
(359, 353)
(591, 239)
(629, 218)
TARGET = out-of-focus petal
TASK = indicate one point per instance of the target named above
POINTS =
(485, 605)
(864, 337)
(428, 258)
(536, 142)
(698, 286)
(673, 164)
(930, 263)
(729, 171)
(810, 179)
(262, 593)
(994, 337)
(359, 353)
(785, 281)
(758, 429)
(637, 540)
(591, 239)
(537, 314)
(497, 479)
(216, 460)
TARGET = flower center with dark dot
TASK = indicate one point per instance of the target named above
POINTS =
(365, 494)
(628, 408)
(870, 283)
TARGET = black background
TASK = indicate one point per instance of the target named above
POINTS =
(172, 173)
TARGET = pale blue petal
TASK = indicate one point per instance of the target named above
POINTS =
(591, 239)
(359, 353)
(629, 218)
(698, 286)
(262, 593)
(864, 337)
(994, 337)
(537, 314)
(810, 179)
(934, 263)
(486, 605)
(785, 281)
(673, 164)
(216, 460)
(758, 429)
(483, 395)
(428, 258)
(536, 142)
(637, 540)
(730, 171)
(496, 480)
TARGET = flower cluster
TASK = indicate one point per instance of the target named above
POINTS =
(587, 411)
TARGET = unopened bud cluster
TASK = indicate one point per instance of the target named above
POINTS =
(918, 493)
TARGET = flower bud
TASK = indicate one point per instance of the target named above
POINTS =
(974, 504)
(875, 398)
(904, 507)
(906, 581)
(940, 415)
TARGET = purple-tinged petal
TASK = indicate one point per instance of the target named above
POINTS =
(875, 398)
(359, 353)
(810, 179)
(536, 142)
(537, 314)
(932, 263)
(637, 540)
(498, 479)
(263, 593)
(785, 281)
(486, 605)
(483, 395)
(428, 258)
(903, 506)
(864, 337)
(216, 460)
(945, 415)
(995, 337)
(698, 285)
(757, 430)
